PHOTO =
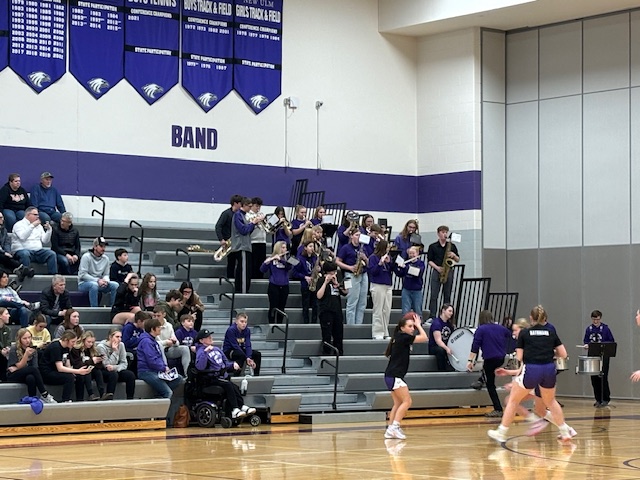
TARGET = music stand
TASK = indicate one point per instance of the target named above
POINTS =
(604, 350)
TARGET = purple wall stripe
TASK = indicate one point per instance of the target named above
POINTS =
(170, 179)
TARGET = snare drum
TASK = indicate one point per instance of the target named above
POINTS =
(460, 343)
(562, 364)
(589, 365)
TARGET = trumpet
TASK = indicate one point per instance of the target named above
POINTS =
(223, 251)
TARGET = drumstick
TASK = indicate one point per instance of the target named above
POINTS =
(454, 357)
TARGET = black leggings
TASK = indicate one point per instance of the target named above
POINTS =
(60, 378)
(29, 376)
(126, 376)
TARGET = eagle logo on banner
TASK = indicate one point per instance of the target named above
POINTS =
(151, 89)
(97, 84)
(207, 98)
(259, 101)
(38, 78)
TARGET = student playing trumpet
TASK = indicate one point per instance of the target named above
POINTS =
(278, 290)
(283, 228)
(298, 226)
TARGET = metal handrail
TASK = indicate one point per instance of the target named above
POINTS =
(286, 337)
(140, 240)
(334, 404)
(181, 265)
(232, 298)
(101, 213)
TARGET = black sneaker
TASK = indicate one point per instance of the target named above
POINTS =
(477, 385)
(31, 272)
(21, 272)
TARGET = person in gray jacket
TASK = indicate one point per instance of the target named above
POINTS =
(93, 274)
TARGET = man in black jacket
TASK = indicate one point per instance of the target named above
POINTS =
(55, 301)
(65, 242)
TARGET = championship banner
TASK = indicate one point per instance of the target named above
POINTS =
(258, 52)
(38, 40)
(4, 34)
(96, 44)
(207, 51)
(152, 37)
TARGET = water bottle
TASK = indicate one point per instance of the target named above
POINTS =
(244, 386)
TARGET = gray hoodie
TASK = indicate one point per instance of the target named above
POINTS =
(93, 268)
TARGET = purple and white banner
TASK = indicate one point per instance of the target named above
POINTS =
(96, 44)
(152, 41)
(4, 34)
(258, 52)
(38, 40)
(207, 51)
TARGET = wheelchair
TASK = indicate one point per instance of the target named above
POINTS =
(207, 403)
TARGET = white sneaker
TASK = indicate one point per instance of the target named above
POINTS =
(237, 413)
(48, 398)
(389, 433)
(497, 435)
(400, 434)
(572, 433)
(248, 410)
(536, 427)
(378, 337)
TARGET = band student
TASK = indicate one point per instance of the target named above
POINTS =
(436, 257)
(241, 245)
(223, 230)
(353, 263)
(599, 332)
(298, 225)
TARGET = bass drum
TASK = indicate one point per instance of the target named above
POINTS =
(460, 344)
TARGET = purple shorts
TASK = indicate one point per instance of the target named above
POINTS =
(533, 376)
(394, 383)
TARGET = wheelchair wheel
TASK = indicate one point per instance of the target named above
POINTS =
(226, 422)
(254, 420)
(206, 415)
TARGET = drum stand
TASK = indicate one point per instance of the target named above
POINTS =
(604, 350)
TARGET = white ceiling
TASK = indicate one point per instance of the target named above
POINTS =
(531, 14)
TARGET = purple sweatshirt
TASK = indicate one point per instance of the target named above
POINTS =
(380, 274)
(278, 272)
(236, 339)
(409, 281)
(150, 358)
(492, 338)
(214, 359)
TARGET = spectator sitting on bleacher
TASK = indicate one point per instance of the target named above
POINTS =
(167, 340)
(7, 262)
(55, 368)
(148, 292)
(46, 198)
(23, 366)
(120, 268)
(131, 333)
(13, 200)
(71, 322)
(65, 242)
(151, 362)
(9, 298)
(84, 354)
(40, 336)
(191, 304)
(237, 345)
(54, 300)
(171, 307)
(127, 302)
(93, 275)
(29, 237)
(211, 359)
(186, 334)
(5, 342)
(114, 359)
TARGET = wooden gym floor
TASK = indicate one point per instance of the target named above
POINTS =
(607, 447)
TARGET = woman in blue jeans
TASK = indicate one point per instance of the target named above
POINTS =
(412, 273)
(19, 309)
(151, 362)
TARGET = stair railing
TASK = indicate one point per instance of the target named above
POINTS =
(335, 366)
(286, 336)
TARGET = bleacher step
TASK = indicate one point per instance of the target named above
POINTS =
(343, 417)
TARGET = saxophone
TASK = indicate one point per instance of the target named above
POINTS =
(315, 276)
(360, 263)
(447, 263)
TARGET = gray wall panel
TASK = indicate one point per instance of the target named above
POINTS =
(493, 176)
(606, 168)
(561, 172)
(635, 165)
(493, 67)
(522, 175)
(494, 265)
(522, 272)
(606, 53)
(522, 66)
(561, 60)
(635, 48)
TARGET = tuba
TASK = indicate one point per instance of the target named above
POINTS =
(447, 263)
(223, 251)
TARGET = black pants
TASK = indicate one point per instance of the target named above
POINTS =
(309, 299)
(8, 264)
(243, 271)
(231, 391)
(112, 378)
(601, 384)
(490, 365)
(67, 380)
(84, 381)
(29, 376)
(240, 358)
(232, 259)
(258, 254)
(3, 368)
(277, 299)
(331, 325)
(435, 292)
(442, 360)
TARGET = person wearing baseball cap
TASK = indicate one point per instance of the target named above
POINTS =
(93, 274)
(46, 198)
(211, 358)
